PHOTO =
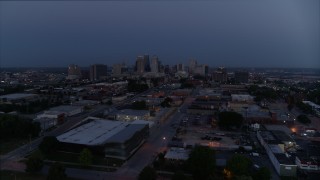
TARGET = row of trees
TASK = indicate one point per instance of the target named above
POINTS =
(166, 102)
(261, 93)
(13, 89)
(29, 108)
(303, 119)
(229, 120)
(135, 86)
(238, 167)
(16, 127)
(35, 164)
(139, 105)
(49, 147)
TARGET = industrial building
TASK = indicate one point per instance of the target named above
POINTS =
(68, 110)
(116, 139)
(18, 98)
(277, 145)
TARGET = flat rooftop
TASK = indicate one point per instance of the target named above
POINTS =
(177, 154)
(16, 96)
(64, 108)
(272, 127)
(99, 131)
(283, 159)
(132, 112)
(282, 136)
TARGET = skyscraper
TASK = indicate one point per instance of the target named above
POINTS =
(74, 72)
(180, 67)
(155, 65)
(241, 76)
(201, 70)
(142, 64)
(98, 72)
(147, 63)
(118, 69)
(220, 75)
(192, 65)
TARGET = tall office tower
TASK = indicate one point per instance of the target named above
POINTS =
(161, 68)
(180, 67)
(147, 63)
(167, 69)
(118, 69)
(192, 65)
(241, 76)
(220, 75)
(201, 70)
(155, 65)
(74, 72)
(142, 64)
(174, 68)
(98, 72)
(85, 74)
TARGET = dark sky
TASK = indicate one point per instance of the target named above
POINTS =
(231, 33)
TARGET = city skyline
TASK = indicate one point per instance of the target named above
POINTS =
(219, 33)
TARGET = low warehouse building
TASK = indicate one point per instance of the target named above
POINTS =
(68, 110)
(116, 139)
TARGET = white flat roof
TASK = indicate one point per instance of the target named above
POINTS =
(93, 133)
(100, 131)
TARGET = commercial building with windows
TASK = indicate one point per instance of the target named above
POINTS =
(116, 139)
(131, 115)
(98, 72)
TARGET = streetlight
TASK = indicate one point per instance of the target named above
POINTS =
(164, 142)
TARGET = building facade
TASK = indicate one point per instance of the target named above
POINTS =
(98, 72)
(74, 72)
(241, 77)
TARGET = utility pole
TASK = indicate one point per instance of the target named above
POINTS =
(29, 142)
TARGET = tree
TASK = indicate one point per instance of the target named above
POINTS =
(16, 127)
(239, 165)
(133, 86)
(148, 173)
(202, 162)
(262, 174)
(139, 105)
(230, 119)
(180, 176)
(303, 119)
(306, 108)
(57, 171)
(49, 145)
(34, 162)
(167, 102)
(109, 102)
(85, 157)
(243, 177)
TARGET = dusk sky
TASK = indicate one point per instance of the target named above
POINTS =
(231, 33)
